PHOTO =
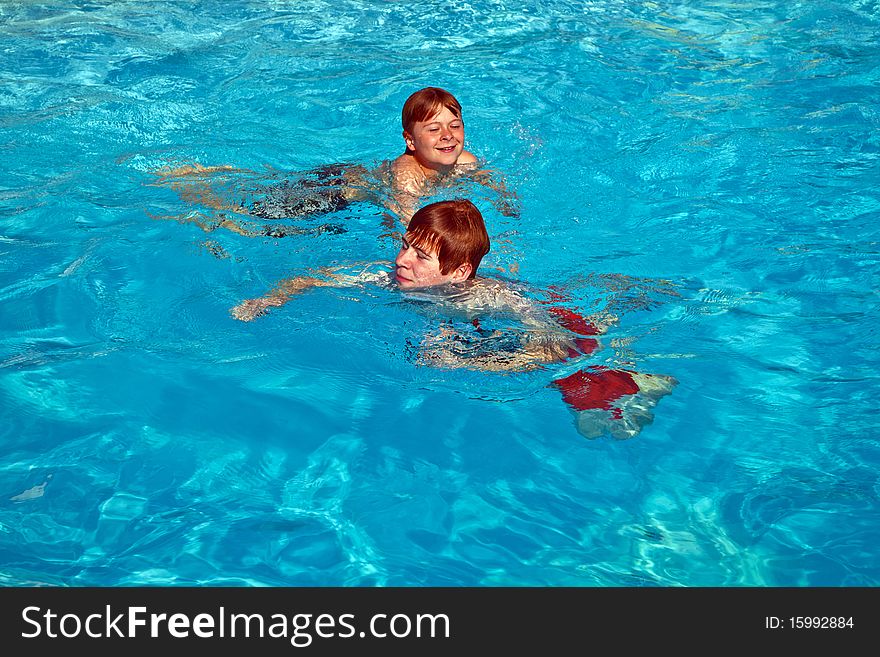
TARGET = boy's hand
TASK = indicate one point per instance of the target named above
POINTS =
(252, 308)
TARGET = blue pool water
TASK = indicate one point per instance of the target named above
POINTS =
(709, 171)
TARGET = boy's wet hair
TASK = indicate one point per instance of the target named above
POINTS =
(425, 103)
(455, 230)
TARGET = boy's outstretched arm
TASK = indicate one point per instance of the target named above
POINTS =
(252, 308)
(285, 289)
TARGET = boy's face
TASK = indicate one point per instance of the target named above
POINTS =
(416, 268)
(438, 141)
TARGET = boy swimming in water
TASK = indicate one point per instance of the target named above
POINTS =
(434, 158)
(439, 257)
(433, 131)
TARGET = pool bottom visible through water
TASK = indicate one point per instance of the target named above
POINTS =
(704, 175)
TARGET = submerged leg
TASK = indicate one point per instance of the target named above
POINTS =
(250, 229)
(618, 403)
(198, 184)
(318, 191)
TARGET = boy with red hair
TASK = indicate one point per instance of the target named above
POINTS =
(434, 158)
(441, 251)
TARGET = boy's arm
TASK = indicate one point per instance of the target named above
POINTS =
(252, 308)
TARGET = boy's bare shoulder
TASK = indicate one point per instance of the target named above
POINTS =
(466, 157)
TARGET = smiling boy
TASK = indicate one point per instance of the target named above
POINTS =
(434, 158)
(433, 131)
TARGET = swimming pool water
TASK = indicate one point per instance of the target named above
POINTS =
(708, 171)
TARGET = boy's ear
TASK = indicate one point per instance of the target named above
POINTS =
(462, 272)
(410, 144)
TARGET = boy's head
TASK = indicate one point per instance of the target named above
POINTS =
(444, 243)
(424, 104)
